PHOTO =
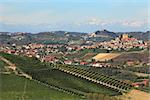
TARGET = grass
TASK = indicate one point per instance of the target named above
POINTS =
(70, 82)
(2, 64)
(43, 72)
(24, 63)
(12, 88)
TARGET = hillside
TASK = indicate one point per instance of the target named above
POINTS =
(63, 37)
(103, 33)
(54, 79)
(133, 56)
(14, 87)
(59, 37)
(48, 80)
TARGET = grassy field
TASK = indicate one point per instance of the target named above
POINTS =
(45, 73)
(24, 63)
(2, 64)
(18, 88)
(70, 82)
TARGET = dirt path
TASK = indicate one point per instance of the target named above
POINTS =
(24, 90)
(13, 67)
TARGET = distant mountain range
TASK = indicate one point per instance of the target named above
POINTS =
(64, 37)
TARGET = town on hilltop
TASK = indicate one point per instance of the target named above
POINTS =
(69, 53)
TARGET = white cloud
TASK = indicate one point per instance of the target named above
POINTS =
(124, 23)
(95, 21)
(133, 23)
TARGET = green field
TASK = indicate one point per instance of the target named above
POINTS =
(2, 64)
(18, 88)
(46, 74)
(70, 82)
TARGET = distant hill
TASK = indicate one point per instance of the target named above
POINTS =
(64, 37)
(103, 33)
(22, 38)
(53, 37)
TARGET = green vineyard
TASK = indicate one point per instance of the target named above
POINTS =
(69, 79)
(118, 85)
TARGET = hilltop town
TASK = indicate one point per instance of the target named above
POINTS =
(68, 53)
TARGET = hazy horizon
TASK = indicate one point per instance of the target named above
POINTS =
(76, 16)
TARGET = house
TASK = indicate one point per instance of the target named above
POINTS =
(141, 84)
(69, 62)
(48, 59)
(9, 51)
(35, 46)
(133, 62)
(130, 63)
(97, 64)
(83, 63)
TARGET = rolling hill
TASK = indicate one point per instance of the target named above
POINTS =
(63, 37)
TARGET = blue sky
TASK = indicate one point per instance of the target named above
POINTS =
(73, 15)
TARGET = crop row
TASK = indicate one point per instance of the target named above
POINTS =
(60, 88)
(95, 77)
